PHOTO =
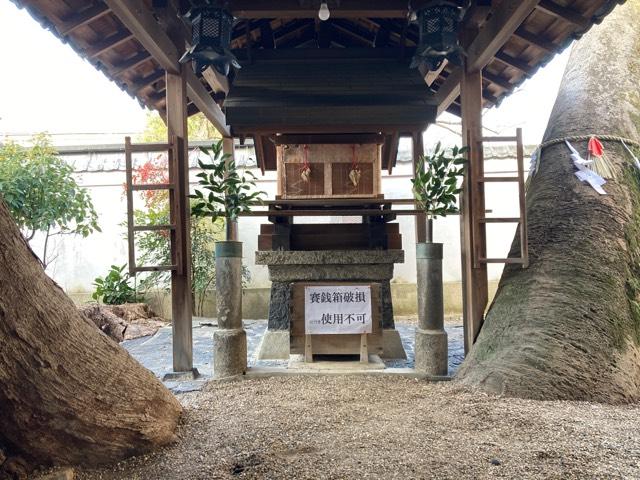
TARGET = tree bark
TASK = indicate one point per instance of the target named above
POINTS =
(68, 394)
(568, 327)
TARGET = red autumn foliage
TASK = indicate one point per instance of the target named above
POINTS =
(153, 171)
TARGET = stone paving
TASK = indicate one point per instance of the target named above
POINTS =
(155, 352)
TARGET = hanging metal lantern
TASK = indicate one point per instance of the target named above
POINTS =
(211, 39)
(438, 22)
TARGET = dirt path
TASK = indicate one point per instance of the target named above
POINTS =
(365, 427)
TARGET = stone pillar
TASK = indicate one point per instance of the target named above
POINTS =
(431, 348)
(275, 341)
(230, 339)
(279, 306)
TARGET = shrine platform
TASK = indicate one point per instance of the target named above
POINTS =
(155, 353)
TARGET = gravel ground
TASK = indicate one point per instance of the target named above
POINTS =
(156, 352)
(386, 427)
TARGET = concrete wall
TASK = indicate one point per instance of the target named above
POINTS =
(102, 172)
(255, 301)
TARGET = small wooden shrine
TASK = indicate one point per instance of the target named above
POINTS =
(328, 170)
(328, 131)
(329, 175)
(327, 80)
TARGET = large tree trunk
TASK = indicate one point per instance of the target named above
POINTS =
(568, 327)
(68, 394)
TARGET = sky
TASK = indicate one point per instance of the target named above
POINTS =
(46, 86)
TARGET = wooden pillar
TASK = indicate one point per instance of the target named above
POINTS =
(421, 218)
(472, 203)
(228, 149)
(181, 302)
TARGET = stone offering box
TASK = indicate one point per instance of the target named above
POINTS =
(344, 344)
(289, 271)
(329, 166)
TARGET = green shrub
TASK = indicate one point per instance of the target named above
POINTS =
(114, 288)
(435, 186)
(42, 195)
(225, 193)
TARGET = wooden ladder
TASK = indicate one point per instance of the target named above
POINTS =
(129, 148)
(521, 220)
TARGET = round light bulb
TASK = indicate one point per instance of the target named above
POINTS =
(324, 13)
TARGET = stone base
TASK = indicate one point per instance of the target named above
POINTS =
(275, 345)
(229, 353)
(296, 362)
(392, 345)
(431, 352)
(192, 374)
(289, 267)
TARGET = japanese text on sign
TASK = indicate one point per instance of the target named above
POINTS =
(337, 309)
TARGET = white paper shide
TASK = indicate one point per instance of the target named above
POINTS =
(337, 309)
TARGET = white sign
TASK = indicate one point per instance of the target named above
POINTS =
(337, 309)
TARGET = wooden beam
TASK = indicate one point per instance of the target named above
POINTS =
(505, 20)
(536, 40)
(324, 138)
(131, 63)
(267, 39)
(431, 76)
(498, 80)
(383, 36)
(139, 20)
(270, 154)
(365, 38)
(385, 212)
(298, 9)
(488, 97)
(82, 18)
(142, 83)
(259, 149)
(304, 55)
(280, 33)
(564, 13)
(514, 62)
(449, 91)
(181, 305)
(390, 151)
(156, 97)
(108, 43)
(294, 39)
(472, 204)
(217, 82)
(454, 109)
(251, 130)
(477, 13)
(192, 110)
(203, 100)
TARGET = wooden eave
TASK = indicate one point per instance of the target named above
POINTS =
(318, 91)
(121, 51)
